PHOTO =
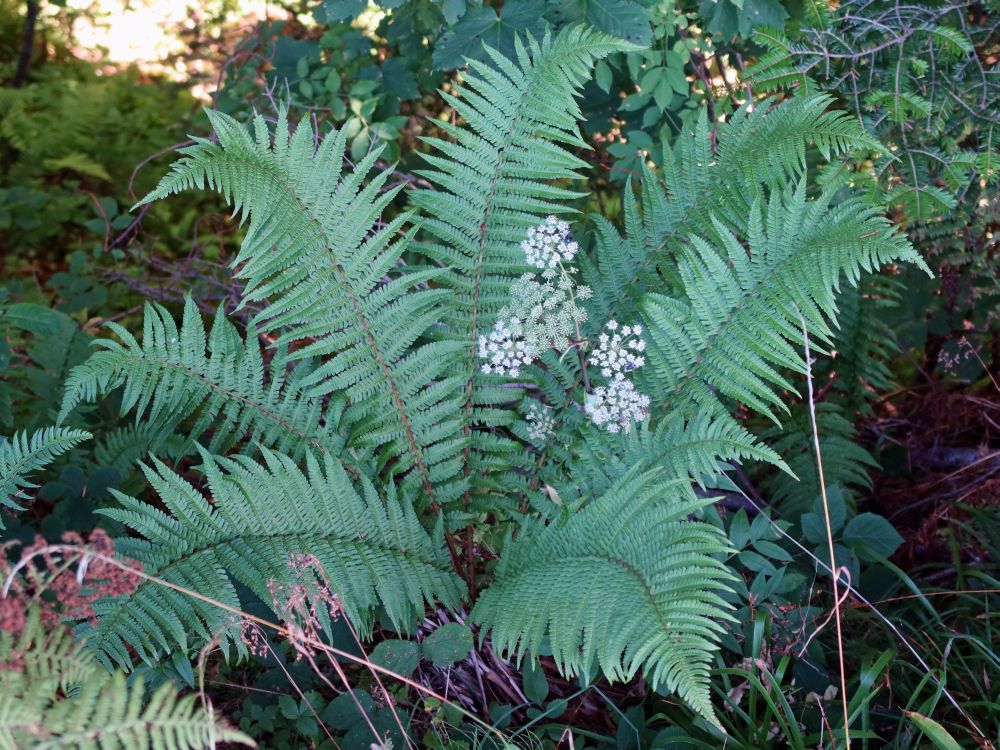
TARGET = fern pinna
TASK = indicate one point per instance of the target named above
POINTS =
(444, 367)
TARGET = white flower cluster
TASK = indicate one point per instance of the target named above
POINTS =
(541, 423)
(549, 244)
(617, 405)
(547, 310)
(542, 314)
(618, 353)
(504, 350)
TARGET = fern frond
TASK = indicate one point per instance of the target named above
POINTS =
(23, 454)
(493, 182)
(738, 323)
(53, 694)
(845, 461)
(218, 380)
(374, 551)
(696, 451)
(761, 147)
(864, 341)
(627, 582)
(331, 277)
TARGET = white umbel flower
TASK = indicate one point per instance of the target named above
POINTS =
(550, 243)
(541, 423)
(619, 352)
(504, 350)
(617, 406)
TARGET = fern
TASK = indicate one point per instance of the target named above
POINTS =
(23, 454)
(53, 694)
(218, 380)
(739, 320)
(493, 183)
(845, 462)
(626, 583)
(374, 551)
(311, 252)
(760, 147)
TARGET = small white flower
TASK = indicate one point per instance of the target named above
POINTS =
(541, 424)
(617, 354)
(504, 349)
(617, 406)
(549, 244)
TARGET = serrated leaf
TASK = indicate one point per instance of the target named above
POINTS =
(450, 643)
(402, 657)
(871, 536)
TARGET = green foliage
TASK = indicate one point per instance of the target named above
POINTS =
(261, 514)
(915, 80)
(218, 380)
(54, 694)
(23, 454)
(663, 614)
(494, 183)
(342, 410)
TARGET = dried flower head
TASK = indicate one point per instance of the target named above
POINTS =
(504, 350)
(617, 406)
(620, 351)
(72, 592)
(550, 243)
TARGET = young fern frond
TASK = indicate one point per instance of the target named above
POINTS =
(218, 380)
(331, 276)
(627, 582)
(374, 550)
(493, 182)
(23, 454)
(738, 322)
(54, 694)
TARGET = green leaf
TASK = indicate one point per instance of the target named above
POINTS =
(739, 530)
(772, 550)
(483, 25)
(814, 524)
(448, 644)
(625, 19)
(289, 707)
(534, 682)
(602, 74)
(871, 536)
(333, 11)
(402, 657)
(934, 731)
(343, 713)
(453, 10)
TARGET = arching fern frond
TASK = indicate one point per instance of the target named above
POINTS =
(760, 147)
(494, 181)
(738, 322)
(330, 276)
(218, 380)
(23, 454)
(374, 550)
(627, 582)
(696, 451)
(54, 694)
